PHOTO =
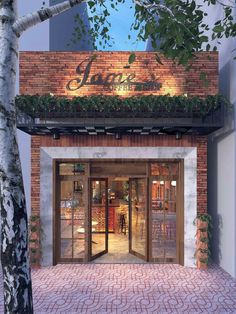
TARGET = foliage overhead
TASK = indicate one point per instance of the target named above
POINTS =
(177, 28)
(40, 106)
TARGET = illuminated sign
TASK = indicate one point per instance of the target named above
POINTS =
(109, 82)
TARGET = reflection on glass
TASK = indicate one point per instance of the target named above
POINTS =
(66, 248)
(78, 248)
(164, 169)
(98, 216)
(66, 229)
(138, 215)
(72, 217)
(71, 169)
(164, 220)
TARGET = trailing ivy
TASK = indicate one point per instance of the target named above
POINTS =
(38, 106)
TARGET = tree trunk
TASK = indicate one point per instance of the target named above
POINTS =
(14, 230)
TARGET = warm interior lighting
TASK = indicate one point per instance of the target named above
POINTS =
(173, 183)
(161, 182)
(121, 179)
(154, 182)
(118, 136)
(178, 135)
(56, 135)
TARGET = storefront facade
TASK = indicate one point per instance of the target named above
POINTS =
(128, 182)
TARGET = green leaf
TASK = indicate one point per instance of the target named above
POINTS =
(204, 39)
(218, 29)
(132, 58)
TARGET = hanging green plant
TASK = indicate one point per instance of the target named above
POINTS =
(44, 105)
(203, 222)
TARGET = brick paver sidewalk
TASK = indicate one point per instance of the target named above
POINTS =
(132, 288)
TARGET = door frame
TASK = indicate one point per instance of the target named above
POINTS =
(90, 256)
(87, 223)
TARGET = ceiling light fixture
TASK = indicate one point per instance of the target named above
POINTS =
(178, 135)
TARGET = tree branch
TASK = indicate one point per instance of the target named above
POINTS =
(149, 6)
(32, 19)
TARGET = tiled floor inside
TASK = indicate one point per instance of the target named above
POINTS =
(118, 250)
(132, 288)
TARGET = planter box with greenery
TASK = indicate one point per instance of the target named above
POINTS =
(41, 106)
(34, 240)
(203, 223)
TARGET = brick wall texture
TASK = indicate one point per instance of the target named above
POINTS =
(49, 72)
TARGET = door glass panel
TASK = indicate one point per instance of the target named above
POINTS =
(138, 211)
(72, 209)
(78, 247)
(98, 216)
(164, 169)
(71, 169)
(66, 248)
(163, 204)
(66, 229)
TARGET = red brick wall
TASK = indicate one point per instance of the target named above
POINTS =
(82, 141)
(49, 72)
(201, 174)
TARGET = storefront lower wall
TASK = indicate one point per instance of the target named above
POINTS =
(192, 149)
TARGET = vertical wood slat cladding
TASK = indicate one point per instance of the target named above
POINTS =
(127, 141)
(49, 72)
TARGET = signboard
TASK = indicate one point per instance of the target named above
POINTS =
(109, 82)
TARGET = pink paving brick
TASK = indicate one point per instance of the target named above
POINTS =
(132, 288)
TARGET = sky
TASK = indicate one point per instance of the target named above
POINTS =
(37, 38)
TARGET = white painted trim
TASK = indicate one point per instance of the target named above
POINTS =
(189, 154)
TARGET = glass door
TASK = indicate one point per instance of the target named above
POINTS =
(70, 213)
(138, 217)
(98, 222)
(163, 191)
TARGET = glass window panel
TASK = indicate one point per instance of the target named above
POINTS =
(164, 169)
(164, 220)
(66, 229)
(66, 169)
(66, 201)
(79, 168)
(138, 210)
(79, 248)
(72, 211)
(98, 216)
(71, 169)
(78, 229)
(66, 248)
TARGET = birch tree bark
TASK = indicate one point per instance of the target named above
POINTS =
(14, 231)
(14, 251)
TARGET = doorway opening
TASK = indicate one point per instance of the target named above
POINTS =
(118, 212)
(119, 248)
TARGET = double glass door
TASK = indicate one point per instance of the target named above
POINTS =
(155, 219)
(99, 218)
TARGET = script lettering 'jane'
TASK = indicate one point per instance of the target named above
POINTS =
(111, 81)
